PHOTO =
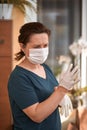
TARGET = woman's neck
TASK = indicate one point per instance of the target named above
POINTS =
(27, 64)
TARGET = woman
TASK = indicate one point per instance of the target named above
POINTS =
(33, 90)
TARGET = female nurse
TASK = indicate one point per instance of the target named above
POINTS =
(31, 86)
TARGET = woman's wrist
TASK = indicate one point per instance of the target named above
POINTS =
(62, 89)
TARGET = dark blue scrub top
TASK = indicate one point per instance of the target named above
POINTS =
(26, 88)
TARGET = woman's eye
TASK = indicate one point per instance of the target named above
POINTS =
(37, 47)
(45, 45)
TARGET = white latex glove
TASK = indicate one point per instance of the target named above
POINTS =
(69, 78)
(66, 106)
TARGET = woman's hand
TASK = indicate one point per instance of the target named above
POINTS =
(66, 106)
(69, 78)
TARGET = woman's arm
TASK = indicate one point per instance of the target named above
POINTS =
(39, 111)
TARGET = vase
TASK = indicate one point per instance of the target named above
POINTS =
(6, 11)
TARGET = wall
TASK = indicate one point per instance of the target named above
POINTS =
(5, 69)
(18, 21)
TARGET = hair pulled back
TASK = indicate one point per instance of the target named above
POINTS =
(26, 31)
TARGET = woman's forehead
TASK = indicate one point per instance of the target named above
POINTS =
(42, 37)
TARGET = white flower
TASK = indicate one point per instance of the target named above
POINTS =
(76, 47)
(64, 59)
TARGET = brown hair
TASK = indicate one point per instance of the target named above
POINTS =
(26, 31)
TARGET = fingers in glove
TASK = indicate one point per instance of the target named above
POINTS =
(66, 110)
(77, 80)
(70, 107)
(75, 70)
(69, 68)
(62, 110)
(75, 76)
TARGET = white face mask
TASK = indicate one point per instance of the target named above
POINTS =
(38, 56)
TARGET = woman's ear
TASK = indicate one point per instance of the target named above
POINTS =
(22, 46)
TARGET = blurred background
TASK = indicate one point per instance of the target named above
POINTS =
(67, 20)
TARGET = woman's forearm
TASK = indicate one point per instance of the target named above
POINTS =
(39, 111)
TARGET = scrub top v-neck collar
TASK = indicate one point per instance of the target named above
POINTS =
(28, 71)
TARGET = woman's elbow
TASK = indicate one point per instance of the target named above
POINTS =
(37, 119)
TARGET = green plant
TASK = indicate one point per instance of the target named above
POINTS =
(20, 4)
(74, 94)
(78, 92)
